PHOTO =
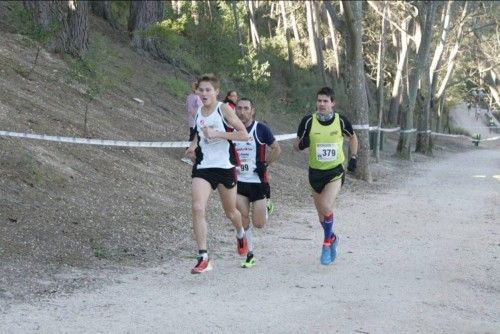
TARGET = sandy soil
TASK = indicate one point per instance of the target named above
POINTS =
(421, 257)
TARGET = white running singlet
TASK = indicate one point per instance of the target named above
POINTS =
(215, 153)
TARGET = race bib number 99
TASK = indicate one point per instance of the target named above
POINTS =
(326, 152)
(245, 167)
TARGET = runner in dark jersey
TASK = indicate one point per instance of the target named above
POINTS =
(323, 133)
(253, 179)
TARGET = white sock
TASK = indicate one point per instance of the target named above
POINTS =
(241, 233)
(249, 234)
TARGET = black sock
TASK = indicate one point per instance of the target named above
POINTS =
(203, 253)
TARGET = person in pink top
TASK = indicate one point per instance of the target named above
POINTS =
(193, 103)
(231, 99)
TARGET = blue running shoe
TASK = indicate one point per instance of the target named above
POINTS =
(333, 248)
(326, 255)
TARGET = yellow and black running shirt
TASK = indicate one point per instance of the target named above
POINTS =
(324, 139)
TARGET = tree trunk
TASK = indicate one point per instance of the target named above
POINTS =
(424, 136)
(195, 12)
(319, 44)
(253, 29)
(380, 81)
(310, 30)
(283, 16)
(493, 84)
(294, 22)
(453, 54)
(423, 116)
(44, 12)
(237, 28)
(102, 8)
(76, 41)
(210, 10)
(370, 88)
(440, 110)
(331, 27)
(71, 18)
(426, 18)
(397, 87)
(357, 91)
(142, 15)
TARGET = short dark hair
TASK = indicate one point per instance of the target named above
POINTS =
(326, 91)
(246, 99)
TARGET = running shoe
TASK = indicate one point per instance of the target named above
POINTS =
(249, 262)
(333, 247)
(202, 266)
(326, 255)
(242, 246)
(269, 207)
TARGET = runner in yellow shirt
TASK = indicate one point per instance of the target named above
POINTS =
(323, 133)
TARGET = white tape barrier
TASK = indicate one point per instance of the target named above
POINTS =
(86, 141)
(373, 128)
(104, 142)
(361, 127)
(180, 144)
(285, 137)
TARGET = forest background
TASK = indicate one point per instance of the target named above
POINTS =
(414, 56)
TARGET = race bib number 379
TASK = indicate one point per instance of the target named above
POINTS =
(326, 152)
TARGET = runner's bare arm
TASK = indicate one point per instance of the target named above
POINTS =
(353, 145)
(274, 153)
(240, 134)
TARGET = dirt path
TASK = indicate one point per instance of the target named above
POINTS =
(419, 258)
(467, 120)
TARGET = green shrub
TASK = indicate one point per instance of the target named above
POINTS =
(174, 86)
(90, 69)
(120, 11)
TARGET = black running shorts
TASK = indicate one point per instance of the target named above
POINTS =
(192, 133)
(318, 179)
(216, 176)
(253, 191)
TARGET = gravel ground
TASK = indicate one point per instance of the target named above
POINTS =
(417, 257)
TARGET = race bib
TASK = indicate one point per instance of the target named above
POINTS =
(326, 152)
(245, 167)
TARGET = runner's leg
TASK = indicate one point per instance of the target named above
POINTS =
(201, 190)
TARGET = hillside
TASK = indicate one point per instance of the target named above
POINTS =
(66, 207)
(69, 214)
